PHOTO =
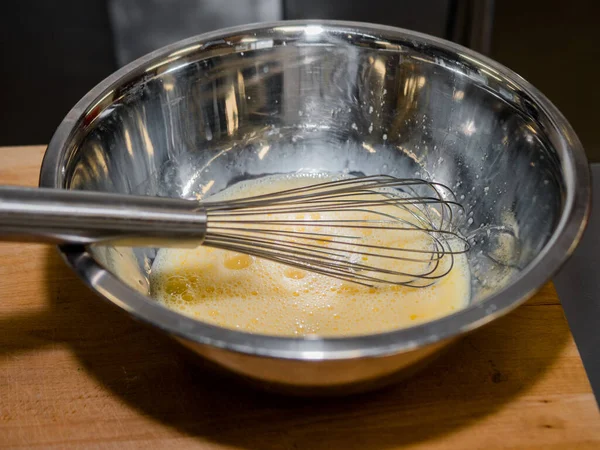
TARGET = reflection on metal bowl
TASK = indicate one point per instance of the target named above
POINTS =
(192, 118)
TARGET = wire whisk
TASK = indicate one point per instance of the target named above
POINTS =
(332, 228)
(366, 230)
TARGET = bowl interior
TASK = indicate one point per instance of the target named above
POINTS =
(203, 115)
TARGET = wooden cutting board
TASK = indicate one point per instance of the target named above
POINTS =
(75, 372)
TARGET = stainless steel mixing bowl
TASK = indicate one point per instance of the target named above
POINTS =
(199, 115)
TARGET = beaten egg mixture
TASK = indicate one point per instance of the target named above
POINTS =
(246, 293)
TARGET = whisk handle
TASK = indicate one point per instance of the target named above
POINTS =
(82, 217)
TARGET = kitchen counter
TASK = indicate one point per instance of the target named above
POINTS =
(77, 372)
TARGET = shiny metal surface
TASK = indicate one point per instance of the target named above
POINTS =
(197, 116)
(78, 217)
(265, 226)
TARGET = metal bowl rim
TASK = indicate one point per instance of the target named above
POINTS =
(555, 252)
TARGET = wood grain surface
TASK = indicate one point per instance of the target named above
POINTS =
(75, 372)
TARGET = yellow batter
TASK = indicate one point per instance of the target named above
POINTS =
(251, 294)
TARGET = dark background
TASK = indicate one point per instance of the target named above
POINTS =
(54, 52)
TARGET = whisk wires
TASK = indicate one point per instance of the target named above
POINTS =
(367, 230)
